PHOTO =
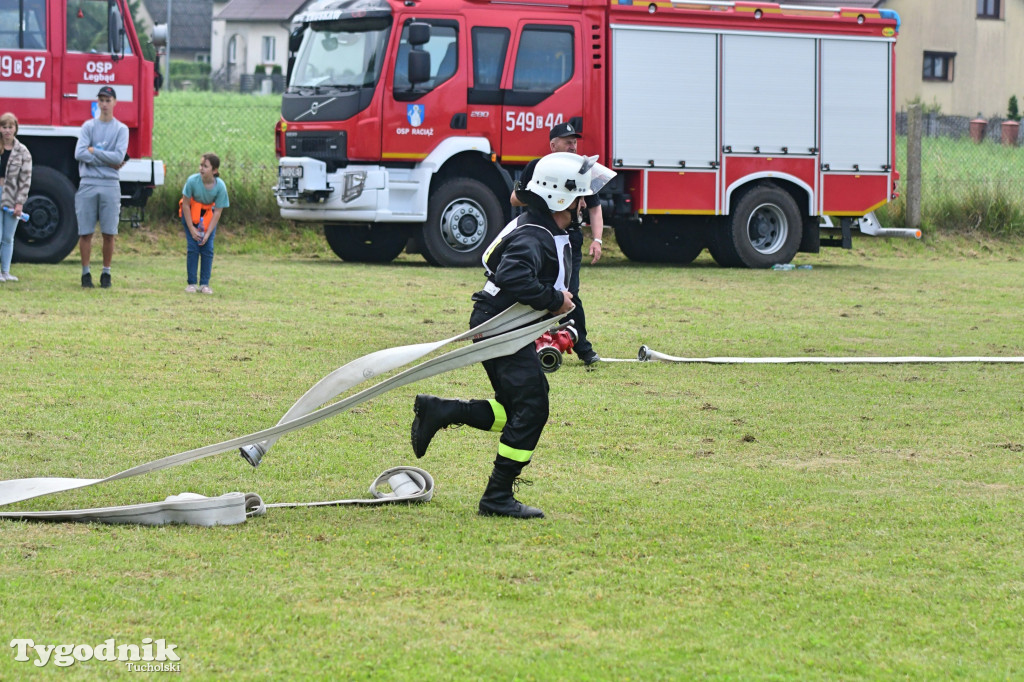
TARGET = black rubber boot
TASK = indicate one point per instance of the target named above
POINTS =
(498, 499)
(434, 414)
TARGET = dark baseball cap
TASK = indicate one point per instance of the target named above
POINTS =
(564, 130)
(107, 91)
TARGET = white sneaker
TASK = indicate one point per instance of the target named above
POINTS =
(206, 290)
(9, 277)
(190, 289)
(3, 277)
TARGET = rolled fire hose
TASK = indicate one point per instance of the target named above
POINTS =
(407, 483)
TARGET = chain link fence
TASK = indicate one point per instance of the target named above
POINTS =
(972, 174)
(237, 128)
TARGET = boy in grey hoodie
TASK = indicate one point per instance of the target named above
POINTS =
(101, 150)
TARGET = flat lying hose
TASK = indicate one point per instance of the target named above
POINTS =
(646, 354)
(497, 340)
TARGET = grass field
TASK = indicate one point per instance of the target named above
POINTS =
(729, 522)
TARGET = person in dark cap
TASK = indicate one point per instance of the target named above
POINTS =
(101, 150)
(564, 137)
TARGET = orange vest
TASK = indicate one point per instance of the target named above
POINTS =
(197, 209)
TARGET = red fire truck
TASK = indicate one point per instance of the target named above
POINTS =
(55, 55)
(754, 129)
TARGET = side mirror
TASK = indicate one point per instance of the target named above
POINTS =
(419, 33)
(419, 67)
(159, 37)
(115, 32)
(295, 40)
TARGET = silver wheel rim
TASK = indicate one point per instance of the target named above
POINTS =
(463, 224)
(767, 229)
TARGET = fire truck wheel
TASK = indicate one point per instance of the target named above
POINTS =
(633, 245)
(679, 244)
(52, 230)
(765, 228)
(463, 219)
(380, 243)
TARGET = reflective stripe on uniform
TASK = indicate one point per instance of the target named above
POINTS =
(500, 417)
(514, 453)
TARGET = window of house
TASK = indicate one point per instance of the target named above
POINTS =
(23, 24)
(938, 66)
(202, 57)
(990, 9)
(269, 49)
(233, 50)
(545, 59)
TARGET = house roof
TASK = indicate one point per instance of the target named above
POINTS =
(261, 10)
(190, 22)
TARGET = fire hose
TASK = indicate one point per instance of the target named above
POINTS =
(646, 354)
(502, 335)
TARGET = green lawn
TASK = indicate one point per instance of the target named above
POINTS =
(730, 522)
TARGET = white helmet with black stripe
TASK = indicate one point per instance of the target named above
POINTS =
(562, 177)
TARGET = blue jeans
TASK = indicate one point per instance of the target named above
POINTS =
(197, 254)
(10, 224)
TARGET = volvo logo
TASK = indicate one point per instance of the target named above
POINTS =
(315, 107)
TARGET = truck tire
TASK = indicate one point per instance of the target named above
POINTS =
(632, 244)
(52, 230)
(379, 243)
(660, 244)
(463, 219)
(765, 228)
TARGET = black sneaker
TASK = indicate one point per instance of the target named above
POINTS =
(87, 281)
(590, 358)
(105, 280)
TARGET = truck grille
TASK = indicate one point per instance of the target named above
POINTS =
(327, 147)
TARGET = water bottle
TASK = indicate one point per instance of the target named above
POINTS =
(783, 266)
(23, 218)
(805, 267)
(200, 230)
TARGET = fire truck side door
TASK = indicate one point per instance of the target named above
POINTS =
(89, 65)
(544, 87)
(489, 54)
(417, 117)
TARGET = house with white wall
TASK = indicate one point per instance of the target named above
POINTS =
(250, 33)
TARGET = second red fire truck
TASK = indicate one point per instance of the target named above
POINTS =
(55, 55)
(755, 130)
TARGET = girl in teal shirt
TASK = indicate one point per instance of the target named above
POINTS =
(204, 198)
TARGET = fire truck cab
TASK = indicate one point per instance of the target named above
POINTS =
(55, 55)
(743, 127)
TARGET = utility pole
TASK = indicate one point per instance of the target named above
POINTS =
(170, 3)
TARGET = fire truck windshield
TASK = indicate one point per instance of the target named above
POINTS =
(339, 58)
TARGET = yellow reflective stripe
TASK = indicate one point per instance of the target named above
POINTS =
(512, 453)
(500, 418)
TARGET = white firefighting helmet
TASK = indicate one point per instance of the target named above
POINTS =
(560, 178)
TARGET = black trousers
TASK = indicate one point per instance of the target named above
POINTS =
(522, 389)
(579, 318)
